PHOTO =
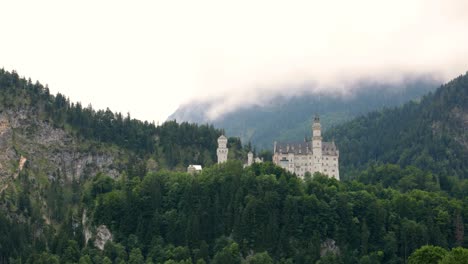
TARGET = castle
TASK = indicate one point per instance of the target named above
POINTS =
(298, 157)
(222, 153)
(308, 156)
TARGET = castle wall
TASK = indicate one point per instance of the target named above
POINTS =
(330, 166)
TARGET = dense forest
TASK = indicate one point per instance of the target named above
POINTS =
(260, 214)
(430, 134)
(404, 198)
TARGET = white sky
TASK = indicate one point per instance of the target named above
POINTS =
(148, 57)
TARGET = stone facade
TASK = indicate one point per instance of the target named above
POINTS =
(222, 150)
(308, 156)
(193, 169)
(251, 159)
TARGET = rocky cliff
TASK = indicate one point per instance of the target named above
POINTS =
(27, 141)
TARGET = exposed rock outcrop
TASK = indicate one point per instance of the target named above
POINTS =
(329, 246)
(86, 231)
(103, 235)
(47, 150)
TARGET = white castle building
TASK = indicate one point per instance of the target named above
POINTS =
(222, 153)
(193, 169)
(251, 160)
(222, 150)
(308, 156)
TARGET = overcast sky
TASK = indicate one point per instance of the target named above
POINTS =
(148, 57)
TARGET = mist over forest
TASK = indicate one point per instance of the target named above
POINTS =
(287, 116)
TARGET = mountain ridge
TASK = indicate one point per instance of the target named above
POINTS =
(289, 118)
(430, 134)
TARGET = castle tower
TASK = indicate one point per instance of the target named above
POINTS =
(222, 150)
(250, 158)
(317, 145)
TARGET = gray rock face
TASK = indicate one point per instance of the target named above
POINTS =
(329, 246)
(86, 229)
(103, 235)
(27, 141)
(7, 153)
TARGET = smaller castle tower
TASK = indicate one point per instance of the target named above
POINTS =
(250, 158)
(222, 150)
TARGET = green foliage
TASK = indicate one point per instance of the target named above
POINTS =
(427, 255)
(72, 252)
(136, 257)
(330, 259)
(226, 212)
(456, 256)
(106, 260)
(101, 184)
(259, 258)
(45, 258)
(228, 255)
(434, 254)
(85, 260)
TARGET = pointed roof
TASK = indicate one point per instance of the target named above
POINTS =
(317, 119)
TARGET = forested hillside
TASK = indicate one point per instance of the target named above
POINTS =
(284, 118)
(80, 185)
(431, 134)
(261, 214)
(51, 148)
(172, 144)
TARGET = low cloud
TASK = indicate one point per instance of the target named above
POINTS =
(153, 56)
(215, 106)
(257, 52)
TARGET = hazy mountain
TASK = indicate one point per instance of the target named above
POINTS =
(289, 118)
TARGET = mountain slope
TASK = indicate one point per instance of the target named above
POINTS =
(52, 209)
(52, 150)
(173, 144)
(431, 134)
(289, 118)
